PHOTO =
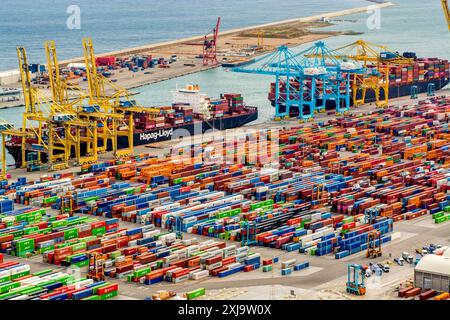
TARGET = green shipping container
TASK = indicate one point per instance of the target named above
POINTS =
(42, 273)
(141, 272)
(17, 234)
(267, 268)
(438, 215)
(99, 231)
(47, 249)
(115, 254)
(30, 230)
(5, 279)
(20, 275)
(81, 264)
(71, 234)
(58, 224)
(94, 297)
(108, 295)
(79, 246)
(50, 200)
(24, 244)
(8, 286)
(195, 293)
(441, 219)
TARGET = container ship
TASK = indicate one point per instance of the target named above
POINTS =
(192, 112)
(420, 73)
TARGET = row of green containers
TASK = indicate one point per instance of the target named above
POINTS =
(26, 238)
(441, 217)
(50, 285)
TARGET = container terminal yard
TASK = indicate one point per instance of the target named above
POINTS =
(343, 195)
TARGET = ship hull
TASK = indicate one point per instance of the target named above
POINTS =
(199, 127)
(166, 133)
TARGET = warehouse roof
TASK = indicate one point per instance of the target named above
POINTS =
(434, 264)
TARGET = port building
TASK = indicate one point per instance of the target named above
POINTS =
(433, 272)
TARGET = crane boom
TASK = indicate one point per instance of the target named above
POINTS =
(58, 90)
(446, 8)
(25, 77)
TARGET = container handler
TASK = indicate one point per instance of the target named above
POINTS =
(355, 280)
(96, 267)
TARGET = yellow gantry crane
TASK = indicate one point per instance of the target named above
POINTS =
(46, 122)
(34, 111)
(370, 55)
(121, 123)
(376, 58)
(446, 8)
(80, 131)
(73, 124)
(116, 124)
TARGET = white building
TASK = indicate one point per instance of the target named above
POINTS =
(10, 77)
(433, 272)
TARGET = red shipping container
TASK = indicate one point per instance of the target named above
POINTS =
(1, 258)
(267, 262)
(228, 260)
(248, 268)
(135, 236)
(8, 264)
(110, 248)
(130, 251)
(98, 224)
(294, 221)
(112, 226)
(349, 225)
(107, 289)
(105, 61)
(6, 238)
(213, 260)
(214, 272)
(412, 292)
(427, 294)
(401, 292)
(180, 273)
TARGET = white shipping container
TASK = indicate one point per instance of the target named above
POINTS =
(193, 249)
(288, 263)
(234, 265)
(214, 265)
(200, 274)
(242, 249)
(181, 278)
(149, 228)
(20, 269)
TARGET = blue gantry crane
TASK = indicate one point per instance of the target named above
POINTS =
(335, 82)
(176, 225)
(307, 80)
(356, 280)
(284, 66)
(249, 236)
